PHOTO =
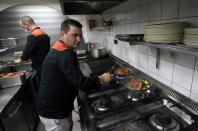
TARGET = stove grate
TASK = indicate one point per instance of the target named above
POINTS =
(183, 100)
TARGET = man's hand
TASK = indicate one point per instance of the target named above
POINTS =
(106, 77)
(18, 61)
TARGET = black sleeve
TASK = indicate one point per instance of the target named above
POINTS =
(69, 65)
(29, 48)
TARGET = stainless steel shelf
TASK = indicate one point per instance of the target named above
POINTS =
(172, 47)
(101, 28)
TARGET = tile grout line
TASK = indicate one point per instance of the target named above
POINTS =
(193, 76)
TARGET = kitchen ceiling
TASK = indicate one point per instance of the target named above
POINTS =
(85, 7)
(67, 7)
(10, 3)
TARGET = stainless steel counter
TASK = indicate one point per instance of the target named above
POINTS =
(6, 95)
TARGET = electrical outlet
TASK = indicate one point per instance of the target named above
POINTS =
(115, 41)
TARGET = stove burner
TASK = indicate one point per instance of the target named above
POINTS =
(135, 96)
(162, 118)
(132, 126)
(162, 121)
(104, 103)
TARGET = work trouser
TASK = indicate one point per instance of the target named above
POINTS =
(65, 124)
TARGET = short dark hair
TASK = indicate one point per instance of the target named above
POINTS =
(66, 23)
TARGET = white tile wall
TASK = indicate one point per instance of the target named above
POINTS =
(121, 18)
(155, 10)
(185, 60)
(143, 13)
(178, 71)
(152, 64)
(118, 29)
(134, 3)
(135, 28)
(125, 51)
(188, 8)
(170, 9)
(134, 47)
(166, 69)
(113, 50)
(141, 29)
(123, 29)
(113, 31)
(166, 55)
(128, 55)
(128, 28)
(128, 17)
(181, 90)
(122, 53)
(152, 51)
(142, 49)
(182, 76)
(142, 69)
(194, 96)
(135, 15)
(196, 64)
(134, 57)
(195, 82)
(128, 46)
(142, 2)
(164, 80)
(152, 74)
(143, 60)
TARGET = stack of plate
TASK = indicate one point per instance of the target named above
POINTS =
(164, 33)
(191, 36)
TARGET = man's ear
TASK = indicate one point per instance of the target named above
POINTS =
(62, 33)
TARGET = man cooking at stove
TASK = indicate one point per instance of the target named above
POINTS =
(37, 45)
(61, 79)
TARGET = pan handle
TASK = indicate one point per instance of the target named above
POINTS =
(112, 68)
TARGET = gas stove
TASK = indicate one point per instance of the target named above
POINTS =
(116, 109)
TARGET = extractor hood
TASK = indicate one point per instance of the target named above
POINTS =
(86, 7)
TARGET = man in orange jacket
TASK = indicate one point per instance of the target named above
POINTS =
(37, 45)
(61, 79)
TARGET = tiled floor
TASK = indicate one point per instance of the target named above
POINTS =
(75, 117)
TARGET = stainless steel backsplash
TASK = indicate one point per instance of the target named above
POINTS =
(45, 17)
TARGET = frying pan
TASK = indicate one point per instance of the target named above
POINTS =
(121, 72)
(137, 84)
(140, 85)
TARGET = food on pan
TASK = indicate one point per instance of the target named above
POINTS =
(138, 84)
(10, 75)
(122, 71)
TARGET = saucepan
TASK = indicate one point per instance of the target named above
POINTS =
(90, 46)
(98, 52)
